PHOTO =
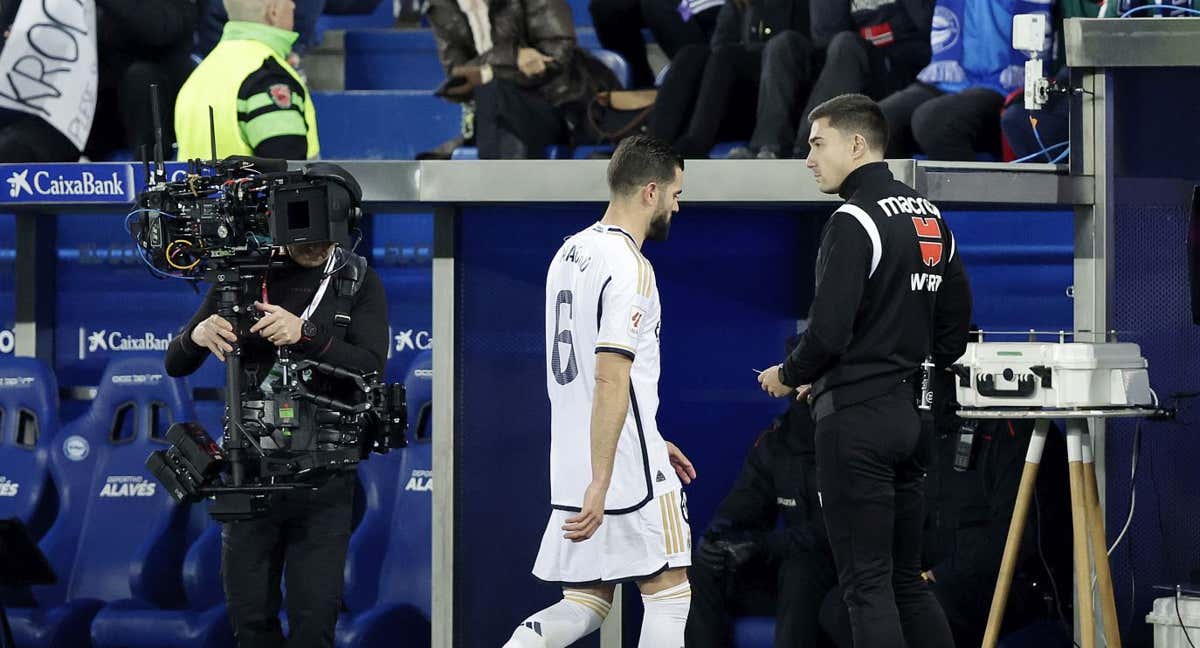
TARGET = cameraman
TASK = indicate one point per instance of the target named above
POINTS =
(305, 532)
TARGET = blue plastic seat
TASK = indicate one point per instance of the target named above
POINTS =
(203, 623)
(472, 153)
(614, 62)
(117, 535)
(384, 125)
(403, 608)
(392, 59)
(754, 632)
(28, 425)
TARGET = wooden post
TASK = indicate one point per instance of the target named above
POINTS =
(1104, 586)
(1079, 534)
(1012, 546)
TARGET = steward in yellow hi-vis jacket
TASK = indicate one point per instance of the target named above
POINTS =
(260, 104)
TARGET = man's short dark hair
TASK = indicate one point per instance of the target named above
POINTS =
(640, 160)
(855, 113)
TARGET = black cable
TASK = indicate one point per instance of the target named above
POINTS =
(1037, 521)
(357, 240)
(1179, 614)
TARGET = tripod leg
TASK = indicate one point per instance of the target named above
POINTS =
(1104, 586)
(1079, 535)
(1012, 546)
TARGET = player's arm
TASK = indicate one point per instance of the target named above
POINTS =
(610, 406)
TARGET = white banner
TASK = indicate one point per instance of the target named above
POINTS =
(48, 66)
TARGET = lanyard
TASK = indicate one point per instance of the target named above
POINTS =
(316, 300)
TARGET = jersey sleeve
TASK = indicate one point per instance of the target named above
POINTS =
(271, 107)
(624, 304)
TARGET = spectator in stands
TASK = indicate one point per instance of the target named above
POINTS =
(871, 47)
(138, 44)
(261, 105)
(519, 63)
(952, 111)
(970, 492)
(1052, 120)
(704, 95)
(675, 24)
(747, 563)
(213, 18)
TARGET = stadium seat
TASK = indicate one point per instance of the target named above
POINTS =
(202, 623)
(28, 424)
(117, 536)
(383, 125)
(722, 149)
(614, 62)
(754, 632)
(404, 602)
(580, 13)
(472, 153)
(392, 59)
(382, 18)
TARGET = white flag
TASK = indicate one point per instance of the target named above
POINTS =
(48, 66)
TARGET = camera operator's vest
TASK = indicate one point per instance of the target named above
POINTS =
(216, 82)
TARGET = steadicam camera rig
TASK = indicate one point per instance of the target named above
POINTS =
(227, 222)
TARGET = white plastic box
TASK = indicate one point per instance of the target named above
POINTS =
(1039, 375)
(1167, 631)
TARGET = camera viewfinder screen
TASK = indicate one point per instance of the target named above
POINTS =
(297, 215)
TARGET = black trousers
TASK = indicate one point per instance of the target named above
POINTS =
(790, 590)
(943, 126)
(853, 65)
(966, 602)
(787, 76)
(619, 26)
(871, 459)
(303, 539)
(512, 122)
(703, 98)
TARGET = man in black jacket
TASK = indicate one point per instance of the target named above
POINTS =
(890, 293)
(138, 44)
(305, 533)
(746, 564)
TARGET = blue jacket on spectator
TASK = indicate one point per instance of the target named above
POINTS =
(972, 45)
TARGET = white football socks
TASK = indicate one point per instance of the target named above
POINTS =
(665, 617)
(562, 624)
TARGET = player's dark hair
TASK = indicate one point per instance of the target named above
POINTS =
(640, 160)
(855, 113)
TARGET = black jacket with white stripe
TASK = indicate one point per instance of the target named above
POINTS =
(891, 290)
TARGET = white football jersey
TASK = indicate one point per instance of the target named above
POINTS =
(601, 297)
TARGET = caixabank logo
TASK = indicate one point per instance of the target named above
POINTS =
(68, 183)
(94, 341)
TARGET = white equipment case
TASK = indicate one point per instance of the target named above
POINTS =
(1044, 375)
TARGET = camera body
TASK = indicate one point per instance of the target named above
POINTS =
(228, 222)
